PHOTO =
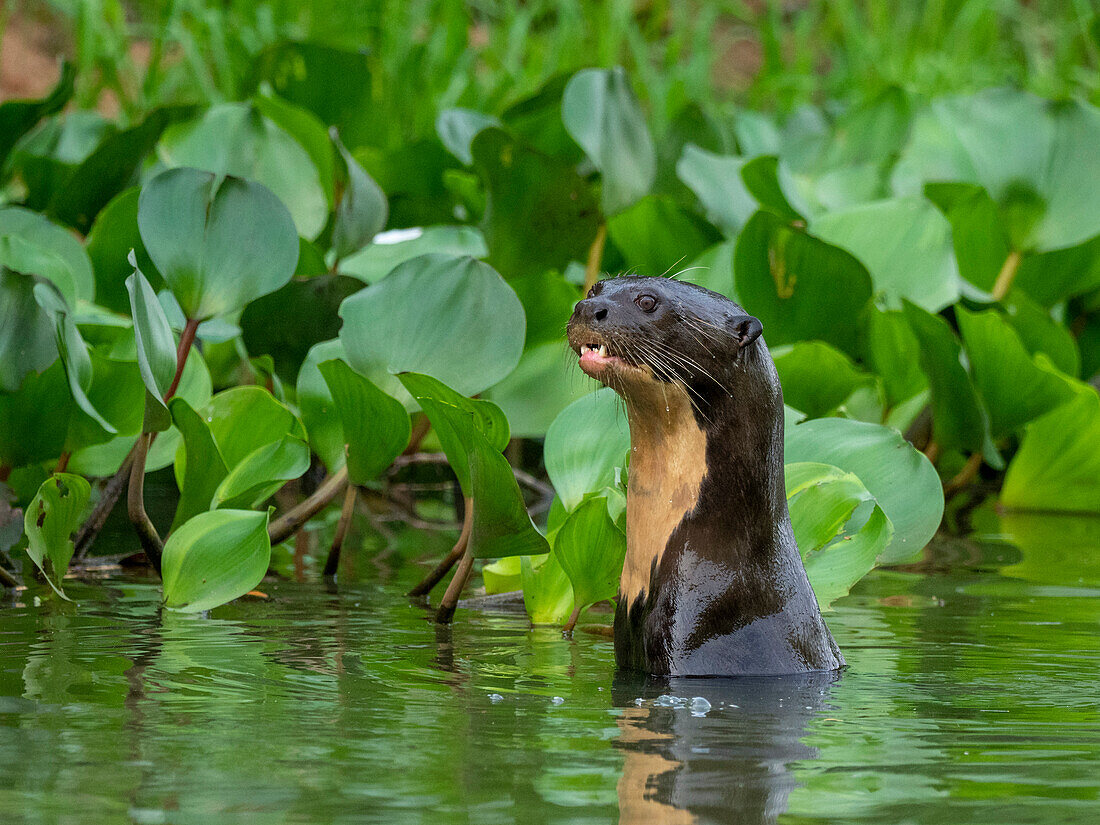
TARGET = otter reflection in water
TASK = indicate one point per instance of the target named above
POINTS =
(713, 584)
(731, 765)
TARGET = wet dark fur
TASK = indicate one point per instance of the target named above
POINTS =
(730, 595)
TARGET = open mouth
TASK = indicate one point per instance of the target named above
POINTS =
(597, 357)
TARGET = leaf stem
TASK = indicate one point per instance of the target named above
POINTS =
(446, 611)
(135, 504)
(288, 523)
(1007, 275)
(5, 472)
(346, 512)
(187, 338)
(595, 258)
(932, 451)
(63, 462)
(7, 579)
(965, 475)
(569, 625)
(440, 570)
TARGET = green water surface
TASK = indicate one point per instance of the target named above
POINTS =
(972, 697)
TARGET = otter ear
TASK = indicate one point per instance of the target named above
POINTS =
(745, 329)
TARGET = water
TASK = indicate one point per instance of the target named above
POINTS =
(971, 697)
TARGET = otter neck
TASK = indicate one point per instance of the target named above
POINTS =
(667, 467)
(678, 458)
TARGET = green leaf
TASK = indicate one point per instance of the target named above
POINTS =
(235, 139)
(261, 473)
(454, 417)
(156, 346)
(218, 243)
(978, 235)
(113, 235)
(657, 236)
(306, 128)
(361, 211)
(49, 522)
(215, 558)
(318, 410)
(823, 502)
(204, 468)
(902, 480)
(906, 246)
(716, 181)
(1057, 467)
(472, 434)
(586, 446)
(547, 593)
(37, 230)
(375, 426)
(800, 288)
(73, 351)
(591, 549)
(27, 344)
(958, 420)
(457, 129)
(379, 258)
(267, 420)
(1013, 386)
(27, 258)
(893, 353)
(602, 114)
(817, 378)
(110, 167)
(539, 214)
(17, 117)
(26, 435)
(1041, 333)
(761, 178)
(465, 328)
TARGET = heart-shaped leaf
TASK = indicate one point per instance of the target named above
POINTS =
(547, 593)
(214, 558)
(716, 180)
(816, 377)
(466, 327)
(261, 473)
(800, 288)
(902, 480)
(217, 243)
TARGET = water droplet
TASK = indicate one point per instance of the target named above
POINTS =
(699, 706)
(495, 697)
(557, 700)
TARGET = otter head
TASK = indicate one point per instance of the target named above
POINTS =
(641, 336)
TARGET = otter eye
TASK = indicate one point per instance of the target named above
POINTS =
(646, 303)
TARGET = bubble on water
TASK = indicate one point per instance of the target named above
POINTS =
(639, 701)
(495, 697)
(699, 706)
(557, 700)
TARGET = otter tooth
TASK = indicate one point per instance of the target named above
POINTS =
(584, 349)
(603, 350)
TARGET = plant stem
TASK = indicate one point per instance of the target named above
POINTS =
(569, 625)
(111, 492)
(135, 505)
(965, 475)
(446, 611)
(187, 338)
(1007, 275)
(63, 462)
(5, 472)
(595, 258)
(7, 579)
(440, 570)
(419, 430)
(288, 523)
(346, 512)
(932, 451)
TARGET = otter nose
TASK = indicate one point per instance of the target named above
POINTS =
(591, 310)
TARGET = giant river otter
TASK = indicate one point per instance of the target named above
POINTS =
(713, 584)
